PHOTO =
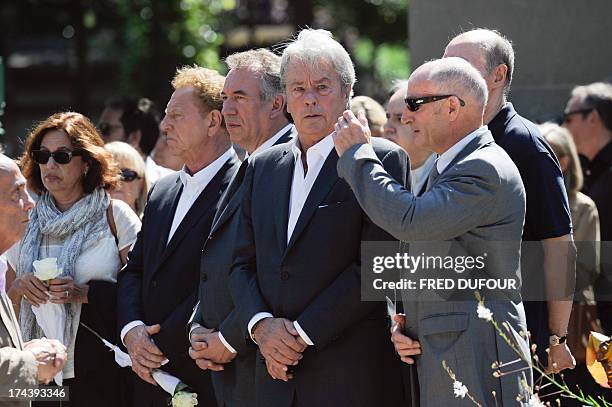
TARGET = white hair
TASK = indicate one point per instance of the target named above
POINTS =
(315, 47)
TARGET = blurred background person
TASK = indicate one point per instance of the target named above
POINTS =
(585, 220)
(374, 112)
(133, 188)
(588, 117)
(136, 122)
(421, 160)
(75, 221)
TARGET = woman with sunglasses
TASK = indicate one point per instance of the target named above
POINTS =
(76, 221)
(133, 188)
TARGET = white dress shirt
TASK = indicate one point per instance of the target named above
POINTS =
(445, 159)
(418, 176)
(300, 189)
(272, 140)
(193, 185)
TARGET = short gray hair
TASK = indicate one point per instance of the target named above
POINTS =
(313, 47)
(265, 64)
(457, 76)
(497, 50)
(398, 84)
(596, 96)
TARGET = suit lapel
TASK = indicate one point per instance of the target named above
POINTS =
(229, 204)
(323, 184)
(204, 203)
(282, 188)
(10, 321)
(166, 211)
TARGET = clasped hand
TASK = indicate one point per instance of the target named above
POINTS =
(145, 355)
(207, 350)
(280, 344)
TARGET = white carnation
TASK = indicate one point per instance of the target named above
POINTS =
(46, 269)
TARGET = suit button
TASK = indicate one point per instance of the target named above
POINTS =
(204, 277)
(154, 283)
(284, 275)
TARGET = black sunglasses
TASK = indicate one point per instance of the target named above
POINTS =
(567, 115)
(60, 156)
(414, 103)
(128, 175)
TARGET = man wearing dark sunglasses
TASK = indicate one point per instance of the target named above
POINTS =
(475, 194)
(136, 122)
(588, 116)
(547, 219)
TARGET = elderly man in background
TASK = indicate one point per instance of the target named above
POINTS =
(445, 103)
(253, 109)
(38, 361)
(158, 287)
(296, 273)
(421, 160)
(548, 218)
(588, 117)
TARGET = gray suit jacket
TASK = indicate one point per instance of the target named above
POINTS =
(477, 200)
(17, 368)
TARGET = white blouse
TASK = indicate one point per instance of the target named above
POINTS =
(99, 261)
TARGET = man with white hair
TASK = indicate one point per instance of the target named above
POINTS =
(474, 198)
(547, 218)
(38, 361)
(296, 273)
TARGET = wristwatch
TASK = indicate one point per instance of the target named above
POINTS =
(554, 340)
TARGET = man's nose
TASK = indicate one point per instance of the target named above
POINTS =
(228, 108)
(163, 125)
(407, 116)
(310, 98)
(28, 202)
(388, 128)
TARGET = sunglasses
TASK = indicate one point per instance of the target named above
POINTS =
(413, 104)
(128, 175)
(60, 156)
(566, 116)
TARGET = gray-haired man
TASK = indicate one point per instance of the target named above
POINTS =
(21, 365)
(296, 274)
(253, 109)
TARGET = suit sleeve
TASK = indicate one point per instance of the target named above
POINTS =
(243, 278)
(445, 210)
(18, 369)
(339, 306)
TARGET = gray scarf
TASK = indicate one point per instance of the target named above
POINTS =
(77, 228)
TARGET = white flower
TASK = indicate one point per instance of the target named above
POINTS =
(459, 389)
(484, 312)
(534, 401)
(46, 269)
(184, 399)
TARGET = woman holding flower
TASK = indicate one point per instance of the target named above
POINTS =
(76, 222)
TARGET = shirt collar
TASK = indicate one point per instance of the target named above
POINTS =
(203, 177)
(323, 147)
(445, 159)
(272, 140)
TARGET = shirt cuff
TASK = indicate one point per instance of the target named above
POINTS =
(194, 325)
(127, 328)
(302, 333)
(256, 318)
(226, 343)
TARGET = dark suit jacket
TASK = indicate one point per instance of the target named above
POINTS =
(159, 283)
(234, 386)
(315, 279)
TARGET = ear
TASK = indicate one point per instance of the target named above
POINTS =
(216, 119)
(593, 117)
(278, 106)
(453, 108)
(134, 138)
(499, 76)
